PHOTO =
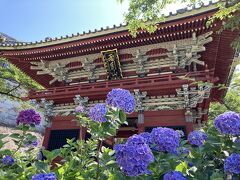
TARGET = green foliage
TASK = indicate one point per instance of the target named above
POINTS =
(140, 12)
(145, 14)
(13, 81)
(24, 157)
(86, 160)
(103, 130)
(231, 102)
(80, 159)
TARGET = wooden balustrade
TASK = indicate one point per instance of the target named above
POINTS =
(130, 83)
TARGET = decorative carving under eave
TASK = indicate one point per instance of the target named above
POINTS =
(89, 66)
(193, 115)
(181, 53)
(140, 60)
(79, 100)
(143, 103)
(48, 112)
(194, 95)
(58, 71)
(139, 97)
(165, 102)
(185, 55)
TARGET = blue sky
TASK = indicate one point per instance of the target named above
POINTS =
(31, 20)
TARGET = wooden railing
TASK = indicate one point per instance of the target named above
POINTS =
(156, 80)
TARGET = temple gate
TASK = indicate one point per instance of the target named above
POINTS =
(162, 70)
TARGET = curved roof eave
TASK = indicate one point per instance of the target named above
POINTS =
(182, 13)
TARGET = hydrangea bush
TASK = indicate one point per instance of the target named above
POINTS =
(197, 138)
(165, 139)
(134, 156)
(212, 152)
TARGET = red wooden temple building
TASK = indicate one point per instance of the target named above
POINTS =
(161, 70)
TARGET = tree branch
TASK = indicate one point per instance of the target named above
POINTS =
(14, 88)
(10, 95)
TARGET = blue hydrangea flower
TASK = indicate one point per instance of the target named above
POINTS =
(97, 113)
(8, 160)
(174, 175)
(165, 139)
(35, 143)
(232, 164)
(197, 138)
(237, 141)
(122, 99)
(28, 143)
(228, 123)
(43, 176)
(184, 151)
(134, 156)
(190, 164)
(147, 137)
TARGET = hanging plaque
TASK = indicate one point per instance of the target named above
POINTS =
(112, 64)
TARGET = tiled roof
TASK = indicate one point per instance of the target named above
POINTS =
(181, 13)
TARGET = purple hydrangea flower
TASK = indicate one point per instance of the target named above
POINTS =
(43, 176)
(197, 138)
(122, 99)
(174, 175)
(232, 164)
(184, 151)
(165, 139)
(97, 113)
(147, 137)
(31, 143)
(228, 123)
(35, 143)
(80, 109)
(29, 116)
(134, 156)
(8, 160)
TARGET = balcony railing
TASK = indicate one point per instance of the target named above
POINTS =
(156, 80)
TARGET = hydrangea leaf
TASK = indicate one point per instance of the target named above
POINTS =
(122, 116)
(182, 167)
(41, 166)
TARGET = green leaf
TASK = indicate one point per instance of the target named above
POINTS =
(110, 162)
(182, 167)
(2, 143)
(23, 127)
(2, 136)
(51, 155)
(42, 166)
(55, 153)
(122, 116)
(217, 176)
(15, 135)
